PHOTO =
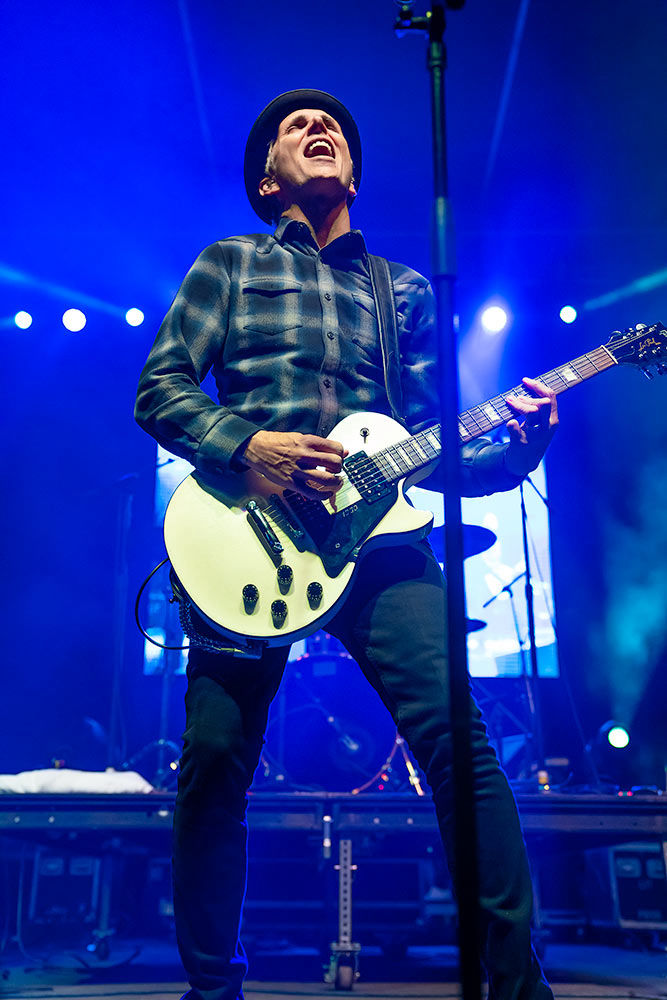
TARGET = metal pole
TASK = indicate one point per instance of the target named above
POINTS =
(443, 280)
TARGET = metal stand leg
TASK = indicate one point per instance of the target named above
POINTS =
(103, 933)
(344, 961)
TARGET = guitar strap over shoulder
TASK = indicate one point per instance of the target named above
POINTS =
(385, 307)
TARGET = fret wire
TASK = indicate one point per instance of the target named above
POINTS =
(399, 449)
(416, 455)
(497, 417)
(554, 374)
(469, 413)
(398, 458)
(482, 420)
(424, 439)
(592, 361)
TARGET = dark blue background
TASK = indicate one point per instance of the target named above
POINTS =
(123, 131)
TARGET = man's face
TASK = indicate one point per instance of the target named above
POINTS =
(310, 151)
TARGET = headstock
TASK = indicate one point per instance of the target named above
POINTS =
(641, 345)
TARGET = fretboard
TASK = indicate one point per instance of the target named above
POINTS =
(405, 457)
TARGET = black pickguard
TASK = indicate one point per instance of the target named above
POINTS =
(337, 536)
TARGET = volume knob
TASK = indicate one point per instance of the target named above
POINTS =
(285, 576)
(250, 595)
(314, 594)
(278, 613)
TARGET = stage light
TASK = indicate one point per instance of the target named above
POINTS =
(74, 320)
(618, 737)
(134, 317)
(23, 320)
(568, 314)
(494, 319)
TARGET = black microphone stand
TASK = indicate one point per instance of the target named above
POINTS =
(443, 279)
(533, 686)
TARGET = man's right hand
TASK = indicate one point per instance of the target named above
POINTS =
(302, 462)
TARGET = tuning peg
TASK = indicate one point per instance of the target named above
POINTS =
(648, 373)
(661, 368)
(640, 326)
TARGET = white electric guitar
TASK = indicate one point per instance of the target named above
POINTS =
(261, 563)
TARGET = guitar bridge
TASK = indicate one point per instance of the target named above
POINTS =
(267, 536)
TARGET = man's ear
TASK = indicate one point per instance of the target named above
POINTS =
(268, 186)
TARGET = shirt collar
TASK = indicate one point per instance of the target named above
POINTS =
(350, 245)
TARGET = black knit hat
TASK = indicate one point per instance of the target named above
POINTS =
(265, 129)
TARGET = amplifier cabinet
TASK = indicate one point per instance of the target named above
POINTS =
(626, 886)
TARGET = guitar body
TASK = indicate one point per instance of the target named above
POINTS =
(217, 548)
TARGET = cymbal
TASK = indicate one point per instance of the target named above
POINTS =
(475, 540)
(474, 625)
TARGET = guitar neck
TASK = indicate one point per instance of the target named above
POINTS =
(418, 451)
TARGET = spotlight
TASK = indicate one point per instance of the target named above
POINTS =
(74, 320)
(23, 320)
(609, 750)
(134, 317)
(611, 735)
(494, 319)
(618, 737)
(568, 314)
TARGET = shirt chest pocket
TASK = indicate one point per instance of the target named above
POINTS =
(271, 305)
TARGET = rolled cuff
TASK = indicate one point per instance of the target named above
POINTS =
(218, 451)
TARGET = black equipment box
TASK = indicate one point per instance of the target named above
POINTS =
(626, 886)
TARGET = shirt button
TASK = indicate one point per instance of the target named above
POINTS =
(327, 382)
(327, 296)
(330, 335)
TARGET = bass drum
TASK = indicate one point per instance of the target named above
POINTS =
(328, 729)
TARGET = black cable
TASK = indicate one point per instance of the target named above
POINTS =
(136, 609)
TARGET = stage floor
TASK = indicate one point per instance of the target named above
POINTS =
(574, 970)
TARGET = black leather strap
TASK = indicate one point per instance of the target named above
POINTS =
(385, 307)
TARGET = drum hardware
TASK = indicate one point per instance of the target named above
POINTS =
(476, 539)
(382, 775)
(327, 725)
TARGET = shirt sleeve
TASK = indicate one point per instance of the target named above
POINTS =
(170, 404)
(483, 468)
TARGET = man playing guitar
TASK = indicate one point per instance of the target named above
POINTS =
(287, 324)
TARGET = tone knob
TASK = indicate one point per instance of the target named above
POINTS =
(314, 594)
(285, 577)
(250, 595)
(278, 613)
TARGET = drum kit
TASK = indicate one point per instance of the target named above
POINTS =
(328, 730)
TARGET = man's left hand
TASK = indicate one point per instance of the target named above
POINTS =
(532, 432)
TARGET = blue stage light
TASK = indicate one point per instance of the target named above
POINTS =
(618, 737)
(134, 317)
(568, 314)
(494, 319)
(23, 320)
(74, 320)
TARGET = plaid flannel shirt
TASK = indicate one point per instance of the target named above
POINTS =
(290, 335)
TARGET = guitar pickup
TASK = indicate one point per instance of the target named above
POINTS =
(264, 531)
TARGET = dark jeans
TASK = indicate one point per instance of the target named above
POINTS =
(393, 625)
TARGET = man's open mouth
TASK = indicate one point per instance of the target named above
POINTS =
(319, 147)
